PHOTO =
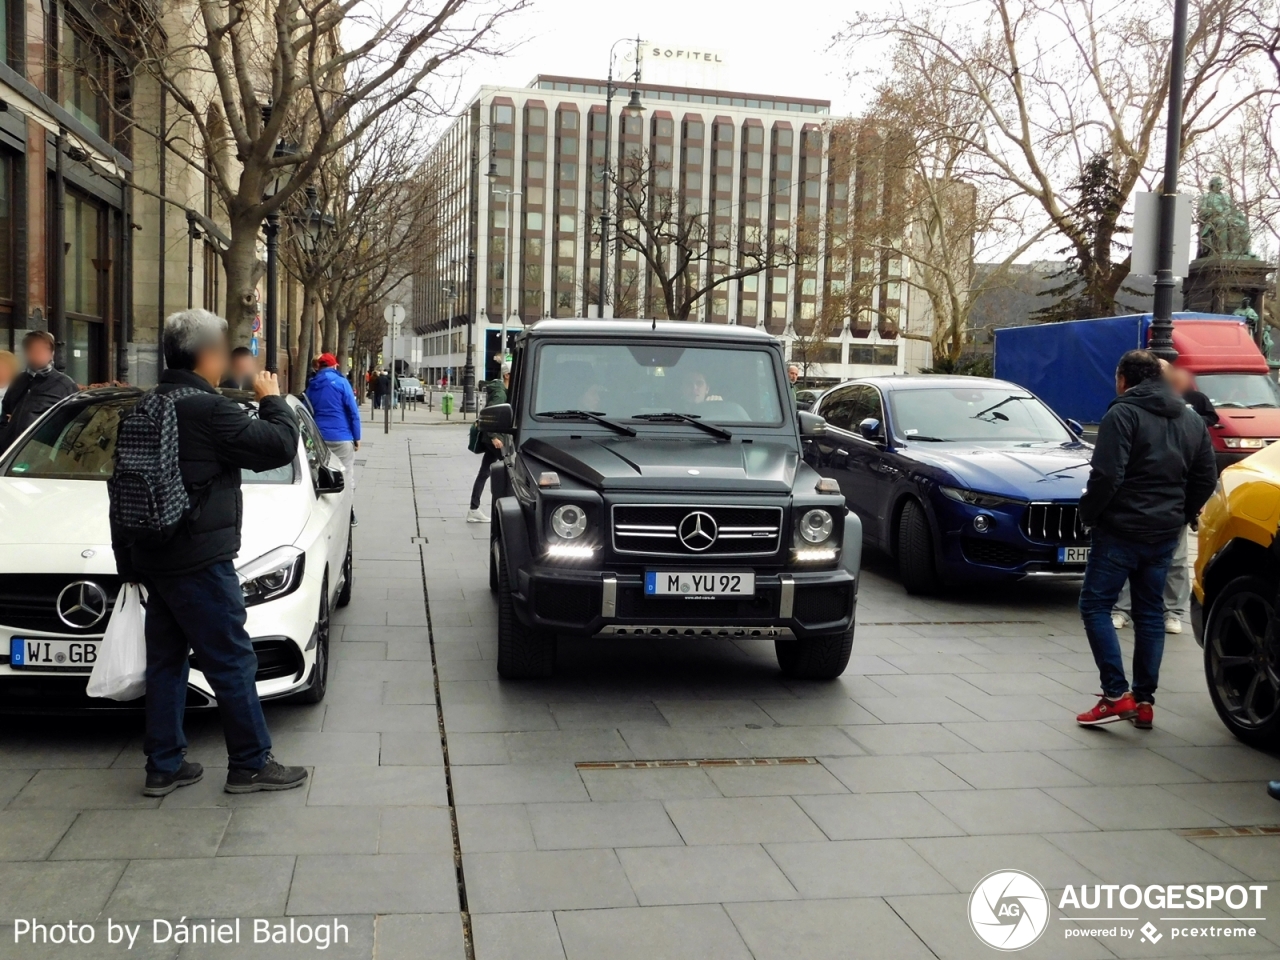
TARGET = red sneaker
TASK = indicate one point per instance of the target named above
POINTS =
(1146, 713)
(1107, 710)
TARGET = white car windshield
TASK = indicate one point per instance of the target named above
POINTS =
(1239, 389)
(974, 414)
(77, 441)
(628, 381)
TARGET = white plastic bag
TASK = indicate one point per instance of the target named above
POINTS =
(120, 672)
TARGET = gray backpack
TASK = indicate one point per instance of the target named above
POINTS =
(148, 499)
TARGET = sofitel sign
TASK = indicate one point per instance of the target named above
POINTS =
(677, 54)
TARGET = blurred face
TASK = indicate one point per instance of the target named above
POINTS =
(243, 366)
(212, 363)
(38, 353)
(1180, 379)
(793, 374)
(693, 388)
(6, 371)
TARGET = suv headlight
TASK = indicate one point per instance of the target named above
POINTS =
(972, 497)
(816, 526)
(274, 574)
(569, 521)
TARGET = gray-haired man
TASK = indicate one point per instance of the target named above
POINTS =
(194, 601)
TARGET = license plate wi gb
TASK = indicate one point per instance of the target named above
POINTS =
(53, 653)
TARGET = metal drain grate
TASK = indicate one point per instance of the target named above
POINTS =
(1200, 832)
(660, 764)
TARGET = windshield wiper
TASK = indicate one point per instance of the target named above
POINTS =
(1262, 403)
(921, 436)
(690, 418)
(588, 415)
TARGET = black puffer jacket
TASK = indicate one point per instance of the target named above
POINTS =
(1153, 466)
(216, 438)
(30, 395)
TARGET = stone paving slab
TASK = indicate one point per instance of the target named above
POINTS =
(947, 750)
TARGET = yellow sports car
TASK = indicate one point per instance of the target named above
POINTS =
(1234, 608)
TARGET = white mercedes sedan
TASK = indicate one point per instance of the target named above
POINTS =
(58, 581)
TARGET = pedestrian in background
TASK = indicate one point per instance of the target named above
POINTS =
(1177, 586)
(382, 391)
(1152, 470)
(194, 600)
(8, 370)
(793, 376)
(337, 414)
(495, 391)
(35, 390)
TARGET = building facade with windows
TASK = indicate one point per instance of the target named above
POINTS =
(517, 185)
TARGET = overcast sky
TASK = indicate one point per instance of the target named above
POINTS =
(778, 49)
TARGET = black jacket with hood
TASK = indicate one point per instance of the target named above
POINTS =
(1152, 468)
(28, 397)
(216, 438)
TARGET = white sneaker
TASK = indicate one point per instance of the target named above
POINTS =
(1119, 621)
(1172, 625)
(476, 516)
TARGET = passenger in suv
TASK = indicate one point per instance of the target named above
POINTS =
(652, 484)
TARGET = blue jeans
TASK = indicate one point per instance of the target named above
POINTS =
(202, 612)
(1145, 566)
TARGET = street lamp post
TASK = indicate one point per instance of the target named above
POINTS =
(633, 108)
(312, 225)
(1161, 342)
(272, 230)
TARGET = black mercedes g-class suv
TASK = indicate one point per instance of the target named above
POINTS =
(652, 484)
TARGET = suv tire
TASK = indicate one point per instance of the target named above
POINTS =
(493, 566)
(815, 658)
(915, 550)
(524, 652)
(1242, 625)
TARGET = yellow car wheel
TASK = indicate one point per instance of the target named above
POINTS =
(1242, 659)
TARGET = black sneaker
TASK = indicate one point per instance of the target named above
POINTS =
(272, 776)
(162, 784)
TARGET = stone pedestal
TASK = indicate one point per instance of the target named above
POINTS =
(1218, 285)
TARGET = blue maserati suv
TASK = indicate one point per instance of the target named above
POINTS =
(960, 479)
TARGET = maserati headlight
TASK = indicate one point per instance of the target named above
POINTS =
(816, 526)
(569, 521)
(274, 574)
(973, 498)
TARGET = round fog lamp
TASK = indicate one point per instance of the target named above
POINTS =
(569, 521)
(815, 526)
(982, 523)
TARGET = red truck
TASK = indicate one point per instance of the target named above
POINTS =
(1071, 367)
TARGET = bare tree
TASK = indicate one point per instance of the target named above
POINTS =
(272, 89)
(1052, 83)
(686, 259)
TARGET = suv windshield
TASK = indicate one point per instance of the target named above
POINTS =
(975, 414)
(718, 384)
(1239, 389)
(78, 442)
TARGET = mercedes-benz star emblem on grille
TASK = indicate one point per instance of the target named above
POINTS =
(698, 531)
(82, 604)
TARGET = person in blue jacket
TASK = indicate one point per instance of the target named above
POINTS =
(337, 415)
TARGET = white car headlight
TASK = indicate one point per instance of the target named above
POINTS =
(274, 574)
(816, 526)
(569, 521)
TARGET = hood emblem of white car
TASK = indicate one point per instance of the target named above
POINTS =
(82, 604)
(88, 553)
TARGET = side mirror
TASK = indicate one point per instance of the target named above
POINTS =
(811, 425)
(1076, 427)
(330, 481)
(498, 418)
(869, 429)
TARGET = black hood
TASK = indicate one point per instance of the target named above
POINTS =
(658, 463)
(1154, 396)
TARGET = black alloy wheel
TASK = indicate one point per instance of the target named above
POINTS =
(320, 672)
(524, 652)
(1242, 660)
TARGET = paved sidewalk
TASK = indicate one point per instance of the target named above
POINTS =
(947, 751)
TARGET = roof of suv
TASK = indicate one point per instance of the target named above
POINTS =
(647, 328)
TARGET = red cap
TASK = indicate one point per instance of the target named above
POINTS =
(328, 360)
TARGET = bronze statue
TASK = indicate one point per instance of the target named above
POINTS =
(1224, 228)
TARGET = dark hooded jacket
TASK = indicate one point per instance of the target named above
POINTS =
(28, 397)
(1152, 468)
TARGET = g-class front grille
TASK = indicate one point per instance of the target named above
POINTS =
(666, 530)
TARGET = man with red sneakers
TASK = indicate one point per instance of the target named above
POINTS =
(1152, 471)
